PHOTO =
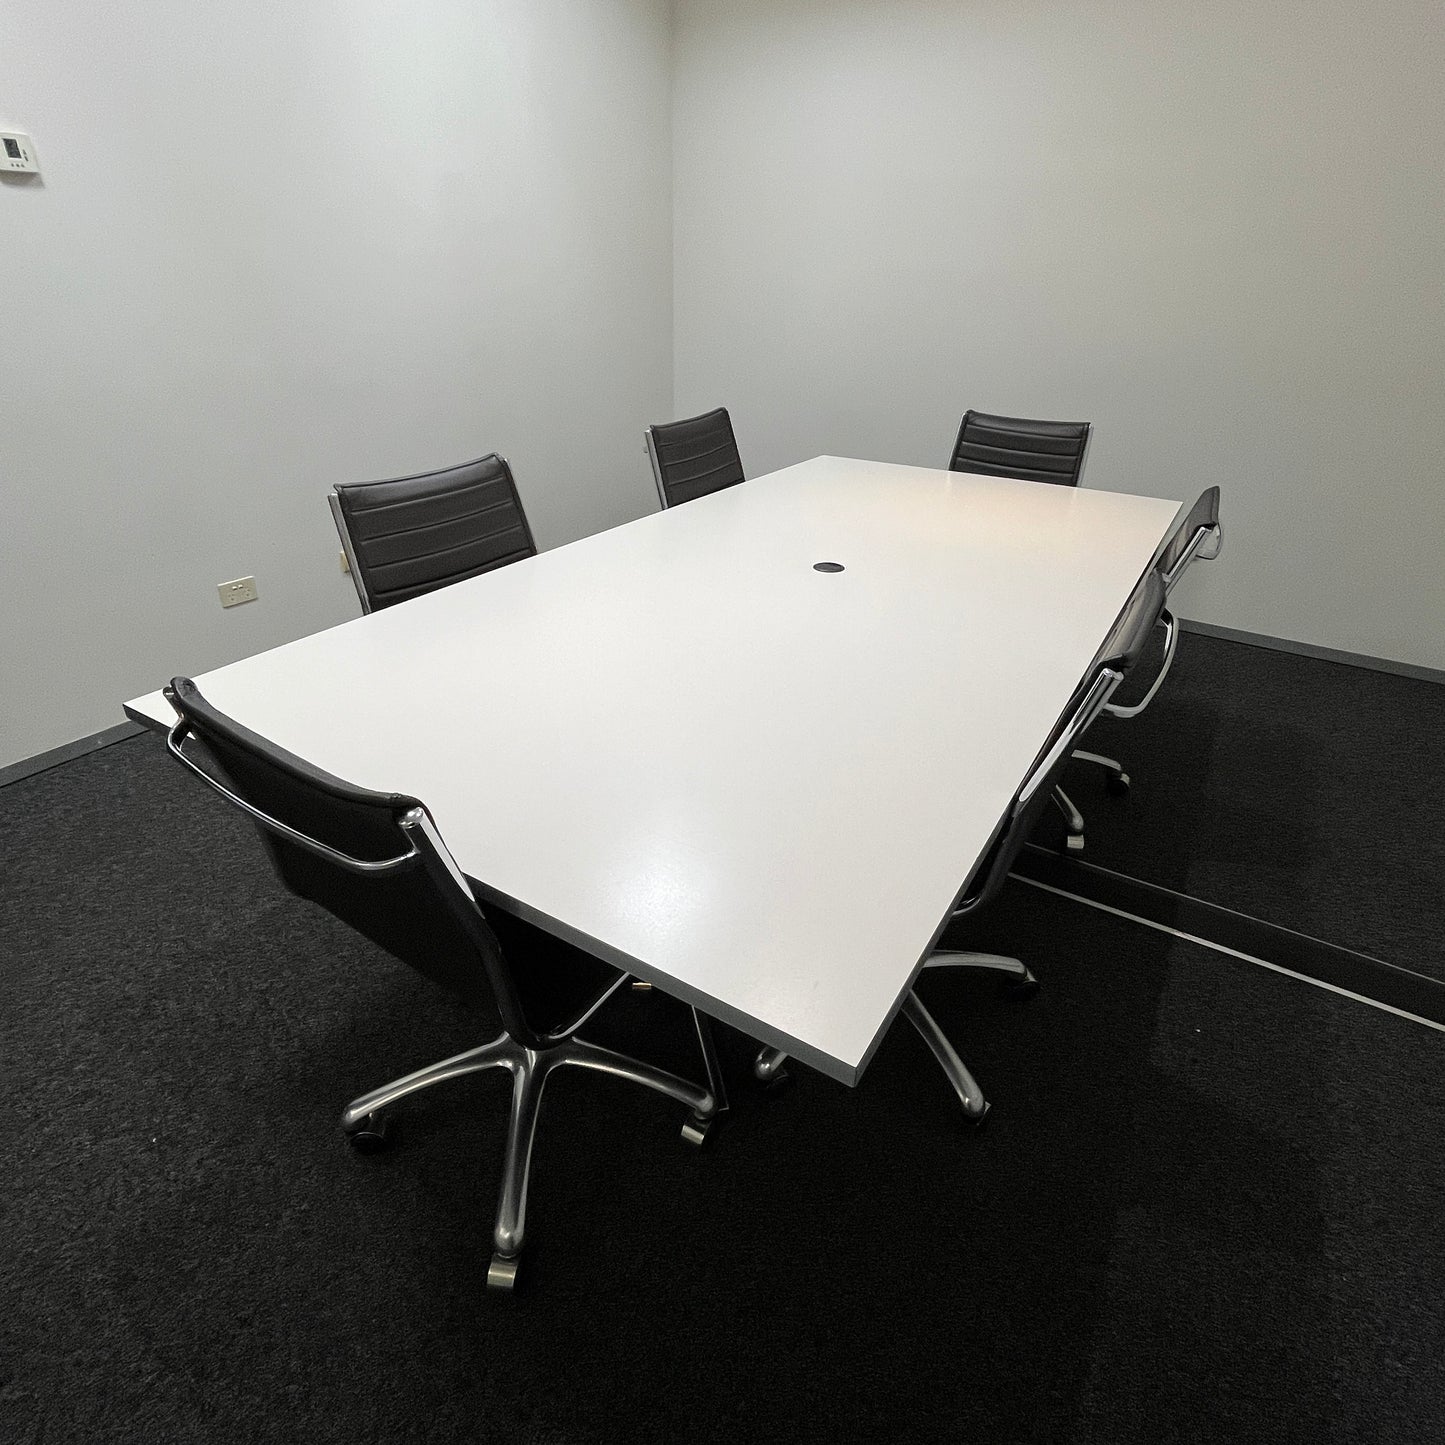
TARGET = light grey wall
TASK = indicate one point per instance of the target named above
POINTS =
(1214, 230)
(279, 246)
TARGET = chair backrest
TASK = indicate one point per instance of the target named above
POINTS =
(1122, 650)
(373, 860)
(1199, 535)
(412, 535)
(693, 457)
(1014, 446)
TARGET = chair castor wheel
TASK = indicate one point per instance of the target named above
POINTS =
(502, 1273)
(1074, 843)
(1117, 784)
(770, 1071)
(977, 1121)
(778, 1082)
(1019, 988)
(696, 1129)
(369, 1135)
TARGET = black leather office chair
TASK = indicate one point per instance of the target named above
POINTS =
(1014, 446)
(377, 862)
(409, 536)
(693, 457)
(1201, 537)
(1120, 652)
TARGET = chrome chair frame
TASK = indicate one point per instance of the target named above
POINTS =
(1117, 780)
(344, 532)
(530, 1064)
(651, 444)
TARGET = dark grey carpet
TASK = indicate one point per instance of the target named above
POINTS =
(1306, 793)
(1206, 1206)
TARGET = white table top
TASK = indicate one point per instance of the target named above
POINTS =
(675, 743)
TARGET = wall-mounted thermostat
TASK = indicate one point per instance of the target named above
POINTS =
(16, 152)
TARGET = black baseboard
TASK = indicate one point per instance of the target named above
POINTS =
(28, 767)
(1416, 670)
(1371, 979)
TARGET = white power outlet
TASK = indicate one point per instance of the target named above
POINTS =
(243, 589)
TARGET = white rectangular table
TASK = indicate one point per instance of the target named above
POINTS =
(675, 743)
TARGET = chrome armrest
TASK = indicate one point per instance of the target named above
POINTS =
(1212, 533)
(1171, 642)
(1094, 702)
(181, 732)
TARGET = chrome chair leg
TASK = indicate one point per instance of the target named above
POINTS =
(1073, 820)
(529, 1077)
(529, 1069)
(1117, 780)
(499, 1054)
(975, 1106)
(995, 961)
(1018, 981)
(702, 1102)
(768, 1065)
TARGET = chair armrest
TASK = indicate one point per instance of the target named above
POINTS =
(1212, 533)
(1095, 701)
(178, 735)
(1171, 642)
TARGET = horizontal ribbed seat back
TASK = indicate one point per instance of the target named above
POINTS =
(415, 534)
(1013, 446)
(695, 456)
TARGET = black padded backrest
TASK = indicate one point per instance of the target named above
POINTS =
(1204, 513)
(415, 534)
(406, 912)
(1014, 446)
(695, 456)
(1130, 634)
